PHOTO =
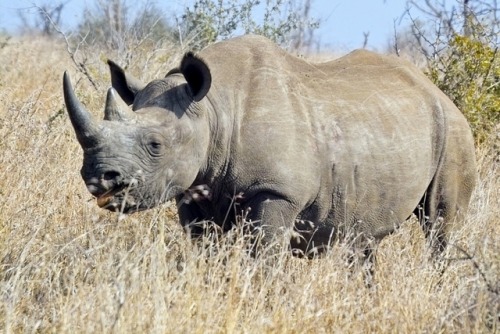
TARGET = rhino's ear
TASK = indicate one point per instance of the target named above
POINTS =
(197, 75)
(126, 85)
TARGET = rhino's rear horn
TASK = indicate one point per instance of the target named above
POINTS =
(84, 125)
(116, 109)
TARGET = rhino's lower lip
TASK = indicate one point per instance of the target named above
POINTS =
(104, 201)
(117, 202)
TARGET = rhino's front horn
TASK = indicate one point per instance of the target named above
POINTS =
(84, 125)
(116, 109)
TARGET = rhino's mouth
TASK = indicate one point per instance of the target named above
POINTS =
(120, 200)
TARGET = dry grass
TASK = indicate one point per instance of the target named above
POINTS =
(68, 266)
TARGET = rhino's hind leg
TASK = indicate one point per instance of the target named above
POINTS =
(362, 258)
(436, 210)
(444, 204)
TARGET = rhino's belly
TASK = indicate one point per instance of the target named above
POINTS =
(373, 212)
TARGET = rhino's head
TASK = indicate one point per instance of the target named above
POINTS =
(140, 156)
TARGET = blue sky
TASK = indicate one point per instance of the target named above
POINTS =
(343, 22)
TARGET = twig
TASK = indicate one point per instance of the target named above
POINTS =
(80, 65)
(476, 265)
(396, 46)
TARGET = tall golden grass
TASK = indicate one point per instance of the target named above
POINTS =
(68, 266)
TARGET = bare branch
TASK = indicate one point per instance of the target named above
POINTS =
(396, 39)
(365, 39)
(73, 53)
(489, 285)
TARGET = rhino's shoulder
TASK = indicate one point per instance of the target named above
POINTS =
(240, 46)
(231, 59)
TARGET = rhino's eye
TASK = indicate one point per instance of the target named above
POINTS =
(154, 146)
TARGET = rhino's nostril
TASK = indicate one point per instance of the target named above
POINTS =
(104, 184)
(111, 176)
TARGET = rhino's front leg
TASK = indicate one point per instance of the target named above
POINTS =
(190, 216)
(271, 219)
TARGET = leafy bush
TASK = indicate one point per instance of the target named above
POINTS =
(460, 44)
(469, 75)
(283, 21)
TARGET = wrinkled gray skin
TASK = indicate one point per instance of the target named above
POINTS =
(349, 147)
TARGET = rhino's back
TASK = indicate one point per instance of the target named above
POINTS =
(361, 136)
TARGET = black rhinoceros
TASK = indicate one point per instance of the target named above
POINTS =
(351, 146)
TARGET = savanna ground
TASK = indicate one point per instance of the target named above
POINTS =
(68, 266)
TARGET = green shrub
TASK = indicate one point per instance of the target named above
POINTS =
(460, 43)
(469, 74)
(286, 22)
